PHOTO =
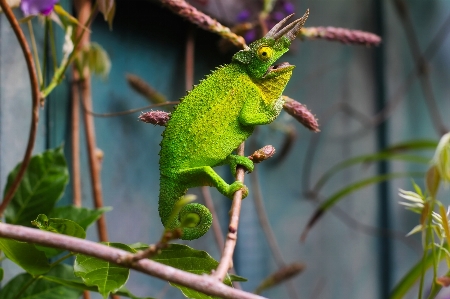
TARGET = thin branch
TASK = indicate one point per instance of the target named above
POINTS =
(217, 230)
(190, 58)
(206, 284)
(35, 104)
(75, 141)
(264, 221)
(126, 112)
(84, 8)
(267, 229)
(421, 66)
(187, 11)
(226, 260)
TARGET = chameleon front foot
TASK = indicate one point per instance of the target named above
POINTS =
(235, 160)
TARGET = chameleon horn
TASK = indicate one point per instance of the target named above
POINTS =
(292, 34)
(277, 27)
(292, 30)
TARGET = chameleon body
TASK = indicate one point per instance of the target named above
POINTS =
(214, 118)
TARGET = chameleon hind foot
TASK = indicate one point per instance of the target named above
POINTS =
(235, 187)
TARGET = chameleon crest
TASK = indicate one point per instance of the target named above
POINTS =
(214, 118)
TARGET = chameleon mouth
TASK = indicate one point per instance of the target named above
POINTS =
(279, 68)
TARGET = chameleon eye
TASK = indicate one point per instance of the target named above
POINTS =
(265, 53)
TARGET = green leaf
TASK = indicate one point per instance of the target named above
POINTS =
(25, 255)
(410, 278)
(125, 292)
(1, 274)
(138, 246)
(417, 144)
(108, 277)
(83, 216)
(59, 226)
(41, 288)
(384, 155)
(41, 187)
(337, 196)
(77, 283)
(235, 277)
(193, 261)
(441, 157)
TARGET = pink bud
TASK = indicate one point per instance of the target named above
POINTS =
(157, 117)
(301, 113)
(262, 154)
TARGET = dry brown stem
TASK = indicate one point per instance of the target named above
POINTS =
(184, 9)
(35, 94)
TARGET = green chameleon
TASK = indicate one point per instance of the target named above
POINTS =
(214, 118)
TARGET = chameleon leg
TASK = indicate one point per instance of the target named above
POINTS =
(235, 160)
(206, 176)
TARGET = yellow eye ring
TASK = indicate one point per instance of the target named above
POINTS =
(265, 53)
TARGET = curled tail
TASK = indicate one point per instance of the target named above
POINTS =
(194, 219)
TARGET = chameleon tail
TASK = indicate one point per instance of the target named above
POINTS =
(194, 219)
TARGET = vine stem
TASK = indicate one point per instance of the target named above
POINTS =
(226, 261)
(35, 103)
(205, 284)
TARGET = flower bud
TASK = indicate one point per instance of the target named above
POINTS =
(157, 117)
(262, 154)
(301, 113)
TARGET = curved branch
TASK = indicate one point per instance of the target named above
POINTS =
(205, 284)
(35, 101)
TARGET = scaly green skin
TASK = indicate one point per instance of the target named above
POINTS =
(210, 123)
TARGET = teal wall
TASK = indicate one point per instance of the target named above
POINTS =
(342, 252)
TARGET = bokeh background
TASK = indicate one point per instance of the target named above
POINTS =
(366, 99)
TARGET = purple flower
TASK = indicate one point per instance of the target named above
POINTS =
(250, 35)
(243, 16)
(288, 8)
(34, 7)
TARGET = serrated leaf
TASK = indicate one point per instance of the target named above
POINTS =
(41, 187)
(25, 255)
(108, 277)
(59, 226)
(83, 216)
(190, 260)
(41, 288)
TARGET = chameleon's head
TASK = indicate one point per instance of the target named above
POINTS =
(261, 54)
